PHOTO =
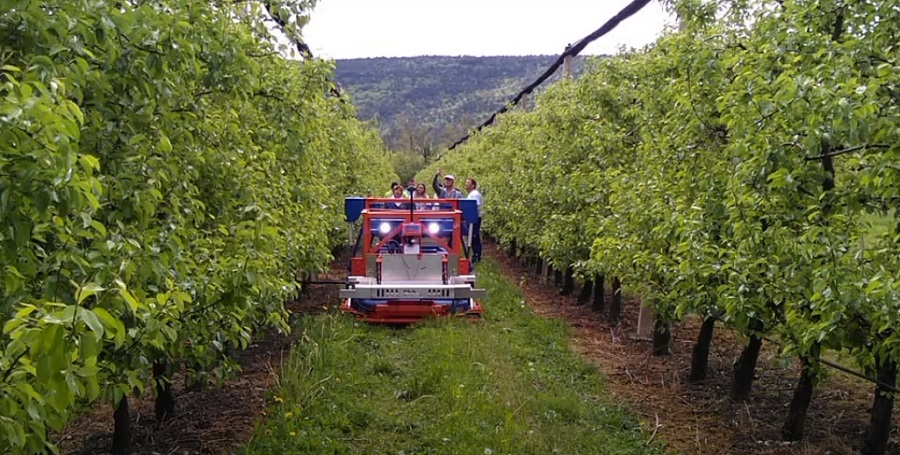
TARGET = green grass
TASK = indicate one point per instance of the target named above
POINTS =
(506, 385)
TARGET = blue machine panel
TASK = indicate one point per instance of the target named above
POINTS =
(353, 207)
(469, 209)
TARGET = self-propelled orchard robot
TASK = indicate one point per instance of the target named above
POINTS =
(410, 260)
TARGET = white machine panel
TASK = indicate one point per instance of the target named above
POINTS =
(426, 268)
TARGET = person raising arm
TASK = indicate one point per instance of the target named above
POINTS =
(445, 191)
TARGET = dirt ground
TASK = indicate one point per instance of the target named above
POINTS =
(701, 419)
(693, 419)
(214, 420)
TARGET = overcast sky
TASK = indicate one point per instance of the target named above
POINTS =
(341, 29)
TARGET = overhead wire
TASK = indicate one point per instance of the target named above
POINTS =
(826, 362)
(571, 51)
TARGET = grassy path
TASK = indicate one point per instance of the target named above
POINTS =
(506, 385)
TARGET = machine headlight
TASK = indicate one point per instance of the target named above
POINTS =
(384, 228)
(434, 228)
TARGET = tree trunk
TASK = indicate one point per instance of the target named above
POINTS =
(794, 425)
(616, 309)
(700, 354)
(557, 278)
(304, 285)
(586, 290)
(599, 293)
(539, 266)
(745, 369)
(165, 398)
(122, 428)
(661, 336)
(880, 418)
(568, 282)
(512, 248)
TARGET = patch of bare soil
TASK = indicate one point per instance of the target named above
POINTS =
(701, 419)
(212, 420)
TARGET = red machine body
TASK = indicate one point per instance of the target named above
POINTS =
(410, 261)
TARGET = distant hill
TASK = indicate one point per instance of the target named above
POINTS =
(425, 103)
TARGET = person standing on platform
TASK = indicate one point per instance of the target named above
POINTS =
(445, 191)
(474, 193)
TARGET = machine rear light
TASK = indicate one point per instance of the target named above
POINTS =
(384, 228)
(434, 228)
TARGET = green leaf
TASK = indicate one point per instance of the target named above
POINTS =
(86, 291)
(89, 162)
(13, 324)
(92, 386)
(89, 347)
(88, 371)
(132, 302)
(42, 200)
(99, 227)
(137, 139)
(92, 321)
(164, 145)
(105, 318)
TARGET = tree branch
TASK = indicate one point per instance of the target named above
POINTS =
(141, 47)
(848, 150)
(302, 48)
(12, 365)
(265, 54)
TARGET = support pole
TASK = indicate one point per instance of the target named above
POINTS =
(545, 272)
(567, 64)
(645, 322)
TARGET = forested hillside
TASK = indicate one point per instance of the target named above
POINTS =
(423, 103)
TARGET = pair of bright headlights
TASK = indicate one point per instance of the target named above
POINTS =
(385, 228)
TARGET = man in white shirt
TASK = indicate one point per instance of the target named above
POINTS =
(473, 193)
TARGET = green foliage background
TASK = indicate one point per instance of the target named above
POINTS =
(694, 169)
(164, 174)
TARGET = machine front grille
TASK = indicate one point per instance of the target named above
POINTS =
(395, 293)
